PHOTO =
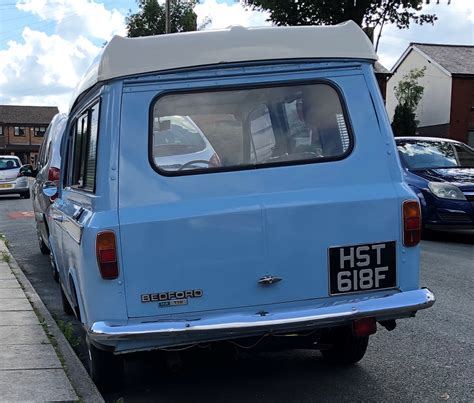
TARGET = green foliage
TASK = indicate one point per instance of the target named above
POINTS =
(408, 92)
(404, 121)
(369, 13)
(68, 331)
(151, 18)
(5, 256)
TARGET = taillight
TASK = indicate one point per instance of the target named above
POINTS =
(53, 176)
(215, 160)
(411, 223)
(106, 252)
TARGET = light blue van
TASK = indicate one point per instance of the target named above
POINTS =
(236, 185)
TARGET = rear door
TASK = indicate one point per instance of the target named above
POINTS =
(303, 168)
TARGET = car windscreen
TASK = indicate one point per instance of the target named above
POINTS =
(9, 163)
(419, 154)
(247, 128)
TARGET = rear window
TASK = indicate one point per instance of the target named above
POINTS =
(420, 154)
(9, 163)
(248, 128)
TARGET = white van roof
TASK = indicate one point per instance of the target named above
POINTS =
(130, 56)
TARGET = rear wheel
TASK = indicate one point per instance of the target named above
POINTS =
(55, 269)
(25, 195)
(344, 347)
(42, 245)
(106, 369)
(67, 308)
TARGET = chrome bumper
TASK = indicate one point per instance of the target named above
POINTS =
(384, 307)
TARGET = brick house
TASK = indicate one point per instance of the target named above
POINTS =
(447, 106)
(22, 129)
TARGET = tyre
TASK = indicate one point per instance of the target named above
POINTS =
(25, 195)
(345, 348)
(67, 308)
(55, 271)
(42, 245)
(105, 368)
(54, 268)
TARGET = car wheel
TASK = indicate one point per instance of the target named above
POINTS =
(25, 195)
(344, 347)
(55, 269)
(42, 245)
(67, 308)
(105, 368)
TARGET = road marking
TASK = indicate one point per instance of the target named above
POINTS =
(14, 215)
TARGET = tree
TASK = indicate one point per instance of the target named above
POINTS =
(150, 19)
(371, 14)
(408, 93)
(404, 121)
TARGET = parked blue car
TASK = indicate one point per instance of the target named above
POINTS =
(291, 218)
(441, 172)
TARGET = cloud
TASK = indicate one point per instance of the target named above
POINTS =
(77, 17)
(455, 25)
(43, 68)
(224, 15)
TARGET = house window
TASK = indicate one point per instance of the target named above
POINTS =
(19, 131)
(1, 130)
(39, 131)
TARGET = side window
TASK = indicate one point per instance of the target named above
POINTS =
(84, 150)
(91, 150)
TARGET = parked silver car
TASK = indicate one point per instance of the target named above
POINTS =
(47, 170)
(179, 144)
(12, 180)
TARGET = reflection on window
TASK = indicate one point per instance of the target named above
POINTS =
(419, 154)
(248, 128)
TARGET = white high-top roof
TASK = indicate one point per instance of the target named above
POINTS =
(130, 56)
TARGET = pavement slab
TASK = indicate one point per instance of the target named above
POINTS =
(18, 318)
(33, 356)
(16, 304)
(6, 275)
(23, 335)
(9, 283)
(44, 385)
(30, 369)
(8, 293)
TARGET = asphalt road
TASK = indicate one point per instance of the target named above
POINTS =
(429, 358)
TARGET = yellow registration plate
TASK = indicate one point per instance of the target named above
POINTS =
(5, 185)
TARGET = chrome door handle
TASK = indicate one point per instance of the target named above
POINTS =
(58, 218)
(268, 280)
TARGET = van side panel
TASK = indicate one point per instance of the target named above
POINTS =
(101, 299)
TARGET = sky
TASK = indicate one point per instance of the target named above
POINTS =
(46, 45)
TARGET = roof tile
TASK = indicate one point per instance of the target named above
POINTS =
(457, 59)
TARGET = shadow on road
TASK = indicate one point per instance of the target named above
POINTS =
(222, 377)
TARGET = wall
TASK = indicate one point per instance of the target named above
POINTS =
(434, 108)
(462, 112)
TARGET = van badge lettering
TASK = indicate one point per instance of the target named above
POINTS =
(171, 298)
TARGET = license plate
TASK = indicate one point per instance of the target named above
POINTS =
(5, 185)
(359, 268)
